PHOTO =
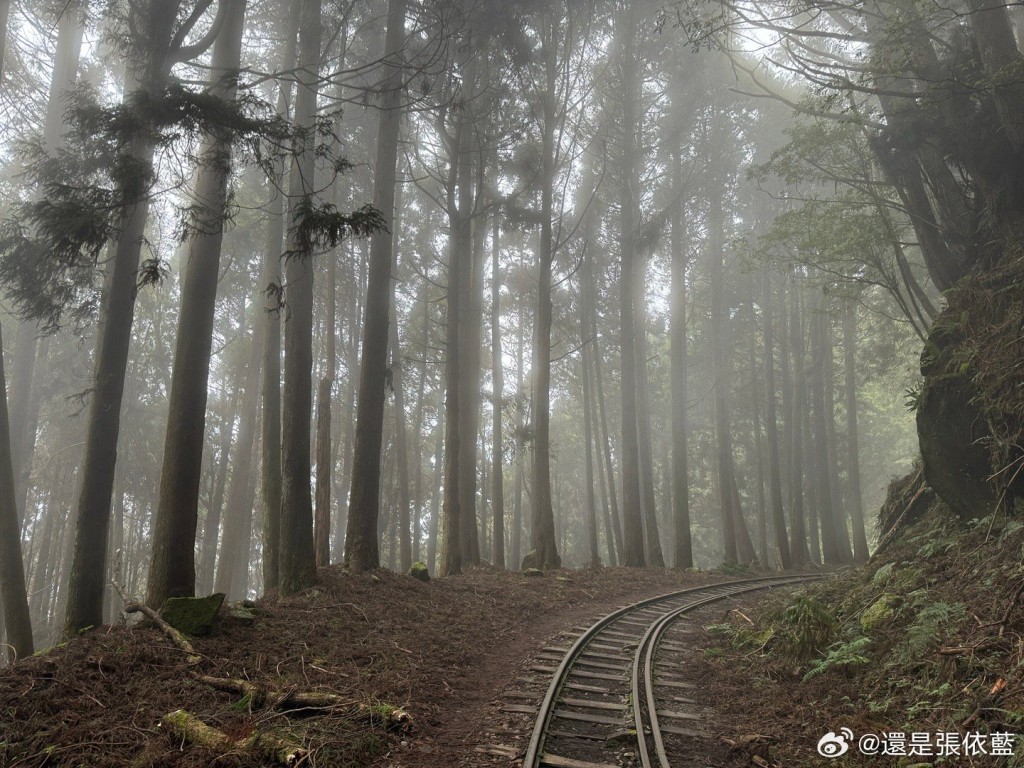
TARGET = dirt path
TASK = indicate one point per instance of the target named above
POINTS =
(479, 727)
(474, 727)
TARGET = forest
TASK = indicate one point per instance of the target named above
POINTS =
(291, 289)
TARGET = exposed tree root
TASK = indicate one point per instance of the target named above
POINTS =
(176, 637)
(259, 696)
(190, 728)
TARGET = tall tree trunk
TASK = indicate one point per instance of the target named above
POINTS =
(654, 555)
(361, 546)
(498, 386)
(606, 516)
(460, 245)
(470, 337)
(811, 482)
(515, 546)
(297, 564)
(633, 537)
(147, 79)
(542, 530)
(736, 542)
(238, 518)
(349, 400)
(43, 581)
(172, 567)
(435, 497)
(401, 447)
(758, 445)
(682, 546)
(24, 360)
(823, 492)
(771, 418)
(324, 458)
(835, 488)
(604, 434)
(485, 529)
(418, 495)
(860, 542)
(794, 428)
(67, 53)
(270, 436)
(590, 500)
(211, 526)
(12, 570)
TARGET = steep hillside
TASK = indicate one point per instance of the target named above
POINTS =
(925, 639)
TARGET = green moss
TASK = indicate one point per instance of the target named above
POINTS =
(879, 611)
(419, 571)
(192, 615)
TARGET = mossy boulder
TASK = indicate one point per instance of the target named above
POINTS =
(952, 436)
(242, 615)
(880, 610)
(950, 426)
(419, 571)
(192, 615)
(532, 572)
(970, 413)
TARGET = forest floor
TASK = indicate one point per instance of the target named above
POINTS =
(441, 651)
(927, 638)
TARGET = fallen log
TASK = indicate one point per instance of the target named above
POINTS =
(259, 696)
(191, 729)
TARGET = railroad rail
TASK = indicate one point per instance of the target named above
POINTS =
(614, 662)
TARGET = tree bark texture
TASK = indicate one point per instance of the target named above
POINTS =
(297, 564)
(543, 543)
(682, 545)
(361, 546)
(860, 542)
(270, 437)
(172, 566)
(147, 78)
(778, 513)
(497, 398)
(17, 620)
(632, 511)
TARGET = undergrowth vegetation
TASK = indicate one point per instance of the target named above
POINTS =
(928, 637)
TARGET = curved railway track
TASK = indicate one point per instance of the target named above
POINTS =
(609, 685)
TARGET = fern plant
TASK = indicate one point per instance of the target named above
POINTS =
(843, 656)
(932, 625)
(808, 628)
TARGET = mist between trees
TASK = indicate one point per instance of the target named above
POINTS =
(532, 284)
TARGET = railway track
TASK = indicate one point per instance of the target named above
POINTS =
(613, 684)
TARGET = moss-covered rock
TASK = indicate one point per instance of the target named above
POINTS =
(880, 610)
(242, 615)
(419, 571)
(970, 413)
(952, 435)
(532, 572)
(530, 560)
(192, 615)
